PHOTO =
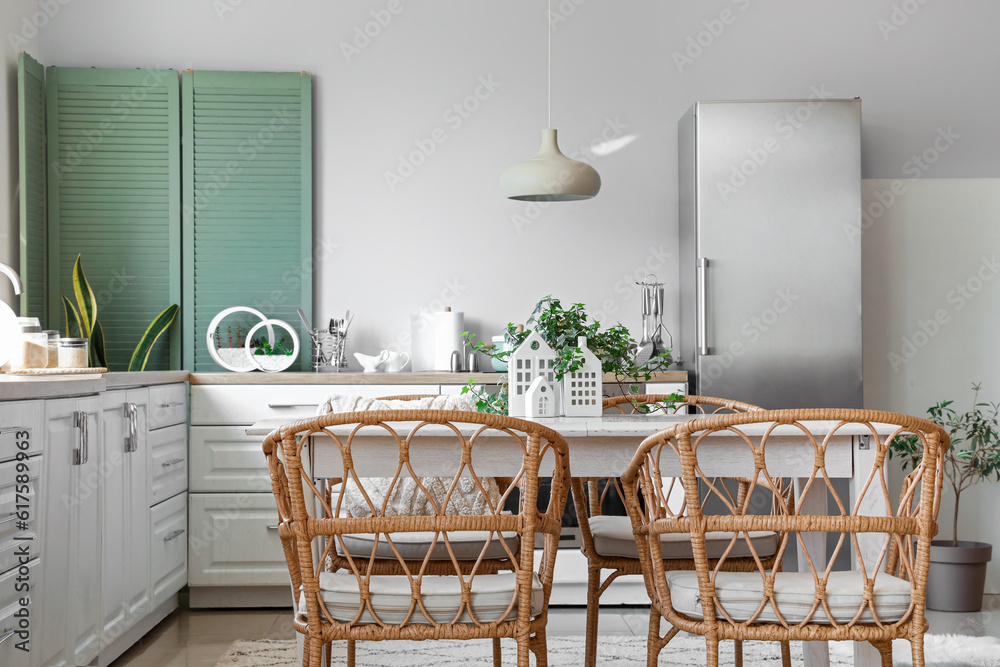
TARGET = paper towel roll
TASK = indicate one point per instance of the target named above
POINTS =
(422, 342)
(448, 329)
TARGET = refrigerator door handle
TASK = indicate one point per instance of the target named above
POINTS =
(702, 306)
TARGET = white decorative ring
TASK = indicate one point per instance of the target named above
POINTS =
(215, 322)
(290, 357)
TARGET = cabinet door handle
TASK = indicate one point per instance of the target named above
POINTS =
(278, 406)
(7, 634)
(171, 405)
(171, 462)
(131, 440)
(272, 527)
(7, 519)
(702, 306)
(81, 455)
(174, 535)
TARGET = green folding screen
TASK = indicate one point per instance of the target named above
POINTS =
(107, 172)
(247, 192)
(114, 197)
(31, 169)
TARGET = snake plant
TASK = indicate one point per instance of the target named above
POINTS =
(83, 317)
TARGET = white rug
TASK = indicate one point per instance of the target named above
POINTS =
(621, 651)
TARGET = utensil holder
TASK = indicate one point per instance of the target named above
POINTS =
(329, 351)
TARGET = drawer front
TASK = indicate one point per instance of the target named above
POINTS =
(15, 501)
(222, 405)
(234, 541)
(168, 547)
(168, 470)
(12, 615)
(666, 388)
(225, 458)
(167, 405)
(21, 428)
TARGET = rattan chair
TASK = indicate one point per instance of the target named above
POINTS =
(870, 603)
(466, 577)
(607, 541)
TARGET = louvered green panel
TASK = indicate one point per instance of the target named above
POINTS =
(114, 196)
(31, 170)
(247, 202)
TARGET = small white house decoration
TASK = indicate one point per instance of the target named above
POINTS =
(533, 358)
(583, 388)
(540, 399)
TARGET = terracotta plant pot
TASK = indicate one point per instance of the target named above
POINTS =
(957, 575)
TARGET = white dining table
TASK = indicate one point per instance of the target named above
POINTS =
(604, 447)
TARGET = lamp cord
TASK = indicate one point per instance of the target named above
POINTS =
(550, 63)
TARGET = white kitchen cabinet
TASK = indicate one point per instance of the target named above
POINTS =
(17, 417)
(19, 498)
(225, 458)
(168, 523)
(100, 577)
(234, 540)
(21, 438)
(12, 611)
(168, 462)
(69, 615)
(125, 594)
(235, 557)
(222, 405)
(167, 405)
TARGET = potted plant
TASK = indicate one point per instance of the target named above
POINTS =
(958, 567)
(82, 317)
(561, 328)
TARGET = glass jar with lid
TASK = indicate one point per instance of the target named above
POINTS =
(74, 352)
(53, 348)
(31, 351)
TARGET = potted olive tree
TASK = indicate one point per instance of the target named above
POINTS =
(957, 573)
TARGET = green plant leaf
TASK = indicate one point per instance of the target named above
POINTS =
(98, 357)
(72, 318)
(85, 300)
(149, 338)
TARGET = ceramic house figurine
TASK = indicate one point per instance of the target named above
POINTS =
(540, 399)
(583, 387)
(533, 358)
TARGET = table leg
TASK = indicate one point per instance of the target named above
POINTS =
(815, 654)
(872, 504)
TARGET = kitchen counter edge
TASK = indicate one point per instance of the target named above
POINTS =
(29, 387)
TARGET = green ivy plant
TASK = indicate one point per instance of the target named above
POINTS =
(561, 328)
(974, 455)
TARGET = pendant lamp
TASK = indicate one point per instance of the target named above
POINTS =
(550, 175)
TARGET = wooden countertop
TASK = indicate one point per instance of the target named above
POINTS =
(429, 377)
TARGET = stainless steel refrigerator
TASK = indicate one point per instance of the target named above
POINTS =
(770, 263)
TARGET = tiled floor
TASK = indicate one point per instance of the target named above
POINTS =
(197, 638)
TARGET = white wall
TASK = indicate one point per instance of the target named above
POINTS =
(18, 31)
(446, 235)
(932, 312)
(447, 225)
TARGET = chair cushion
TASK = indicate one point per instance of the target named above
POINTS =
(442, 597)
(740, 594)
(413, 546)
(613, 539)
